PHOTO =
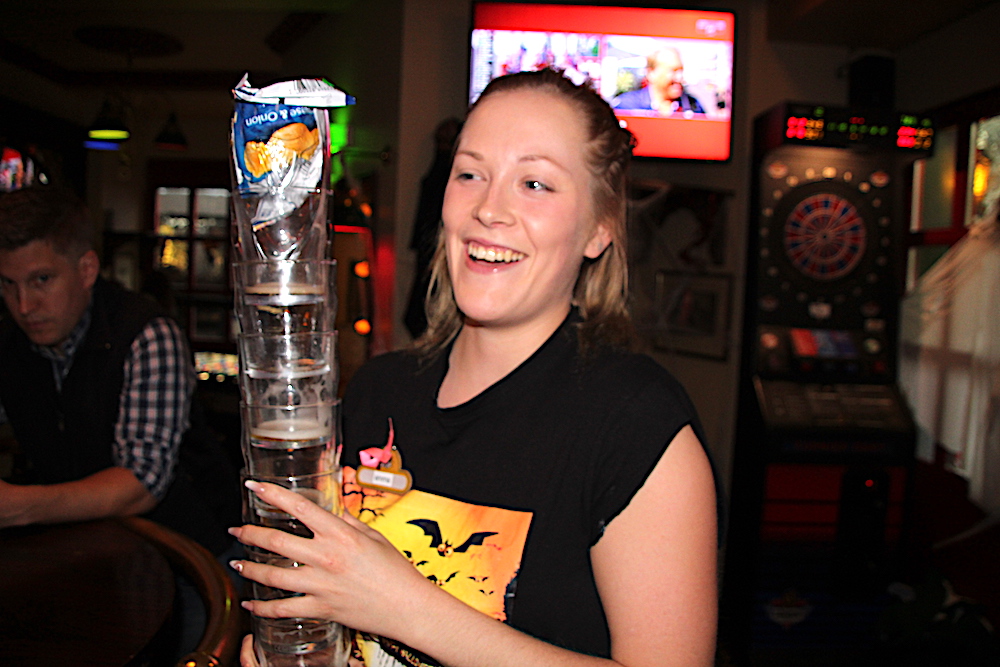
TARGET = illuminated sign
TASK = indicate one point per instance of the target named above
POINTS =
(839, 128)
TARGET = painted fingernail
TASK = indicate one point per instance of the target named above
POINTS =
(253, 485)
(236, 565)
(234, 531)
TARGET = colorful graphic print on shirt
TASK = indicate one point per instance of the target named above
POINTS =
(471, 551)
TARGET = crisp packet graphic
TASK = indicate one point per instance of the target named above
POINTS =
(280, 151)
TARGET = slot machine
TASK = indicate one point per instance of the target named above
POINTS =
(824, 439)
(352, 248)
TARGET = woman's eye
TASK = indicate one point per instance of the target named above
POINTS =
(536, 186)
(464, 176)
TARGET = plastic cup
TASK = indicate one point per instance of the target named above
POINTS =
(308, 457)
(323, 489)
(281, 223)
(262, 318)
(289, 426)
(293, 641)
(290, 391)
(293, 355)
(289, 369)
(334, 654)
(285, 282)
(290, 440)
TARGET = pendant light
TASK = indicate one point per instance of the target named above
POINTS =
(109, 129)
(171, 137)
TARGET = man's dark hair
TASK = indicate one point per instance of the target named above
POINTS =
(45, 213)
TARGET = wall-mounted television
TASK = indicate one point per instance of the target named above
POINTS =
(667, 72)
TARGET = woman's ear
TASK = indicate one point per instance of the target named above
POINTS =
(598, 242)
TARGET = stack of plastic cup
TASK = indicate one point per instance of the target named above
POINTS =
(285, 302)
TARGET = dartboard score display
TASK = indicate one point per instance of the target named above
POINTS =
(816, 125)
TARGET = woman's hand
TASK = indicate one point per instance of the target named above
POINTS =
(348, 572)
(247, 656)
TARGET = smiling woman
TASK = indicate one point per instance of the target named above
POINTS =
(573, 136)
(525, 193)
(547, 464)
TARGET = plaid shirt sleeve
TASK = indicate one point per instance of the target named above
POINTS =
(154, 405)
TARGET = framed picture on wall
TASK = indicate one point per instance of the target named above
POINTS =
(692, 313)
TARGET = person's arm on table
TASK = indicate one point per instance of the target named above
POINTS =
(109, 492)
(100, 494)
(655, 568)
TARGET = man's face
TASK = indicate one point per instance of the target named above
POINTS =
(668, 75)
(45, 291)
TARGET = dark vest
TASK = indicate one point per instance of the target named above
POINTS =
(67, 435)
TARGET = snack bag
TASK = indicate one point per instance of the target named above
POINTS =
(280, 142)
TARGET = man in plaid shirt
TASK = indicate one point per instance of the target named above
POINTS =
(96, 383)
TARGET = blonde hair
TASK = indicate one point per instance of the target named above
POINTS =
(601, 290)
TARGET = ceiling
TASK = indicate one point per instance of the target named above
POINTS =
(170, 44)
(198, 46)
(886, 25)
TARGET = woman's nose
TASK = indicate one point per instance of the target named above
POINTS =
(493, 208)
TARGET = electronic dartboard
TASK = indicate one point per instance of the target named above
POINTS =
(823, 435)
(827, 264)
(825, 236)
(827, 257)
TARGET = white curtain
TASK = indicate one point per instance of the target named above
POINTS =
(950, 359)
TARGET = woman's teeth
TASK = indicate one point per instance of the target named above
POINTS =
(484, 254)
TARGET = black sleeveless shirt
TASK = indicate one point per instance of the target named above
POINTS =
(566, 440)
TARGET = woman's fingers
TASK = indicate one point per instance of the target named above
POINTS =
(306, 511)
(283, 578)
(321, 522)
(292, 579)
(303, 606)
(247, 656)
(354, 522)
(288, 546)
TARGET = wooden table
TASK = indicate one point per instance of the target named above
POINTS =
(92, 593)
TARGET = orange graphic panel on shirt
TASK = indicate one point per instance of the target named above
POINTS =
(471, 551)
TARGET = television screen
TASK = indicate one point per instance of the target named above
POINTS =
(668, 73)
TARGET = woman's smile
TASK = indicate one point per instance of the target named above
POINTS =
(518, 211)
(493, 254)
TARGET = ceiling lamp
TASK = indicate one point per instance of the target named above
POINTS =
(108, 130)
(171, 137)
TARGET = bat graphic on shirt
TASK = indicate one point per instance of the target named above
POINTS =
(442, 582)
(444, 547)
(409, 555)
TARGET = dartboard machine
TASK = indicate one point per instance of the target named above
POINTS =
(824, 438)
